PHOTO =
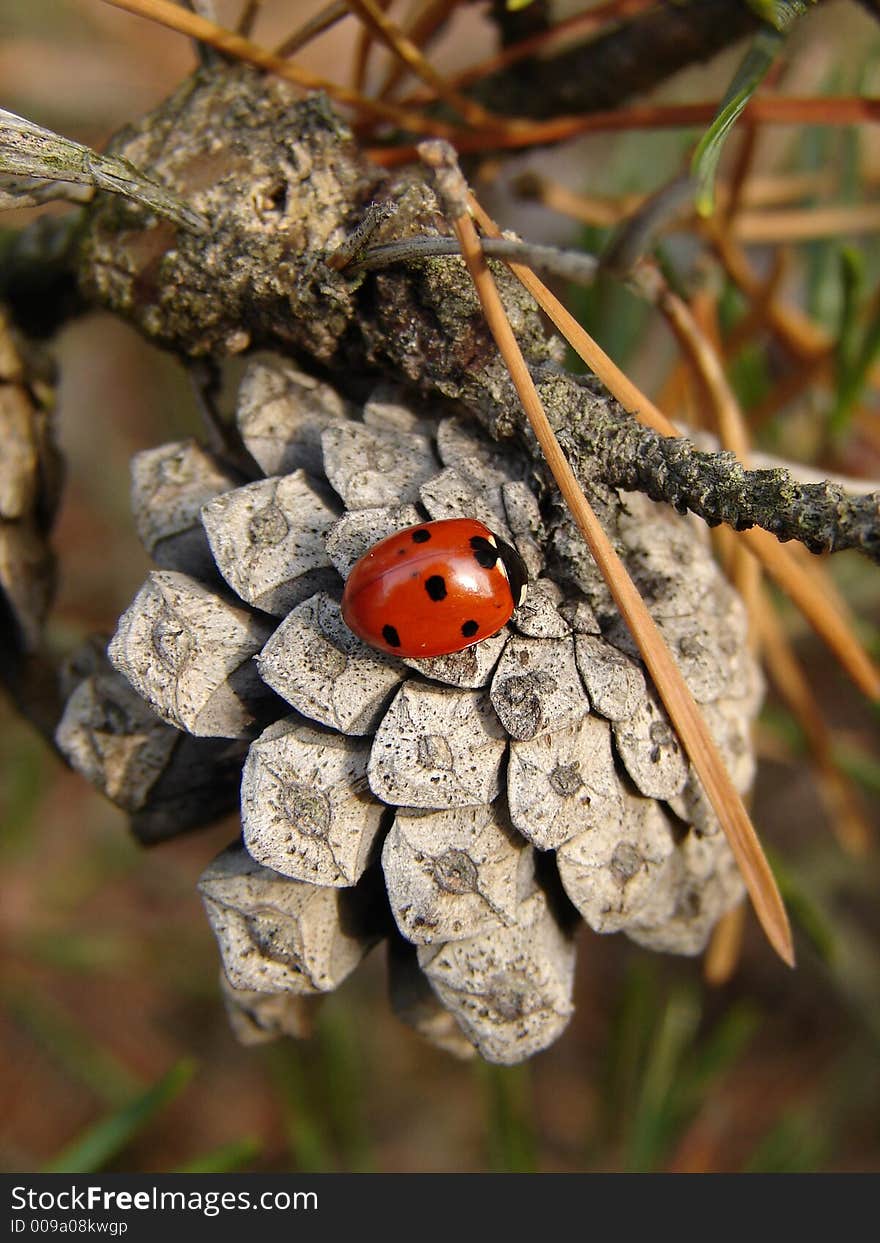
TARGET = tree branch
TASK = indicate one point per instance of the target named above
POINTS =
(822, 516)
(418, 322)
(632, 58)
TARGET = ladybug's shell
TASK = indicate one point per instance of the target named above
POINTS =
(427, 590)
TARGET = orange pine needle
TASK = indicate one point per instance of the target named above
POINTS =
(426, 23)
(844, 810)
(760, 191)
(166, 13)
(700, 343)
(805, 339)
(389, 33)
(755, 322)
(516, 133)
(671, 686)
(818, 607)
(310, 30)
(725, 947)
(806, 223)
(362, 48)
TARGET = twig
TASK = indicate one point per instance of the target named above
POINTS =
(30, 151)
(623, 59)
(582, 24)
(247, 17)
(569, 265)
(767, 109)
(374, 215)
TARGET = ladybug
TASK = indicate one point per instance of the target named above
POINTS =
(434, 588)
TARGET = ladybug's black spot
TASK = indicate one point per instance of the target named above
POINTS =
(470, 628)
(436, 587)
(421, 536)
(391, 637)
(485, 553)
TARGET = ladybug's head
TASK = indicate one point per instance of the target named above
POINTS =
(515, 569)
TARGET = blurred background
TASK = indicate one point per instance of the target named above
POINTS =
(115, 1048)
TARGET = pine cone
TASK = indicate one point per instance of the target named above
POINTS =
(468, 808)
(30, 477)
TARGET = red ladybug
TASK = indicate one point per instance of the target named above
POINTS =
(434, 588)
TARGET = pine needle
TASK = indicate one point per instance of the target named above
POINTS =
(845, 814)
(671, 686)
(725, 947)
(421, 29)
(804, 224)
(325, 19)
(700, 343)
(166, 13)
(770, 109)
(818, 608)
(389, 33)
(806, 340)
(361, 58)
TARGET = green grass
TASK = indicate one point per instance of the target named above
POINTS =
(97, 1146)
(320, 1090)
(663, 1065)
(72, 1048)
(511, 1144)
